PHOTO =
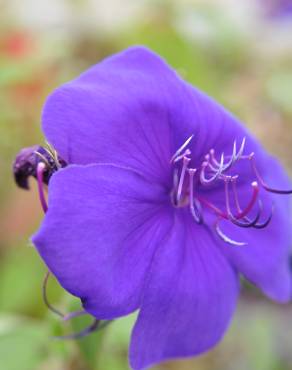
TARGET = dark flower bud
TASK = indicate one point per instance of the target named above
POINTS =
(27, 160)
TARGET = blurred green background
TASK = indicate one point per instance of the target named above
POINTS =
(238, 52)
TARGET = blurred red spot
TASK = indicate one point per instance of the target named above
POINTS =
(17, 45)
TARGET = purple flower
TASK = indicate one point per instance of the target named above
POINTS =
(163, 204)
(278, 9)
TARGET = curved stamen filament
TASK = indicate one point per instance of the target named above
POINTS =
(220, 165)
(241, 149)
(83, 333)
(262, 182)
(268, 220)
(194, 205)
(42, 157)
(233, 158)
(251, 223)
(250, 204)
(40, 177)
(179, 151)
(213, 208)
(224, 237)
(45, 296)
(213, 158)
(248, 222)
(181, 179)
(72, 315)
(96, 325)
(41, 167)
(203, 179)
(185, 154)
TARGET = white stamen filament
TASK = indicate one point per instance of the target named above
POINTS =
(178, 152)
(194, 211)
(181, 179)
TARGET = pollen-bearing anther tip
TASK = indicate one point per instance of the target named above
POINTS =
(255, 184)
(192, 171)
(41, 166)
(234, 178)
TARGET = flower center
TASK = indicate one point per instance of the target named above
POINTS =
(188, 181)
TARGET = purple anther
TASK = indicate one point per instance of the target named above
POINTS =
(24, 166)
(27, 160)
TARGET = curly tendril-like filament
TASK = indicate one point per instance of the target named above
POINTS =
(95, 325)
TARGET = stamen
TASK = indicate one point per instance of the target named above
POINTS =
(203, 179)
(247, 222)
(195, 206)
(45, 296)
(91, 328)
(213, 208)
(42, 157)
(212, 155)
(175, 178)
(181, 148)
(268, 220)
(251, 223)
(210, 171)
(240, 152)
(185, 154)
(233, 158)
(224, 237)
(219, 166)
(53, 154)
(72, 315)
(181, 179)
(226, 166)
(262, 182)
(248, 207)
(40, 172)
(96, 325)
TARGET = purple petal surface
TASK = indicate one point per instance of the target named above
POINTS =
(132, 109)
(189, 299)
(99, 235)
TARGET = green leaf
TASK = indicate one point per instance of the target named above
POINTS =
(22, 343)
(279, 90)
(189, 60)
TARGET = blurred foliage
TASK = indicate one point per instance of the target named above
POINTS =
(211, 50)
